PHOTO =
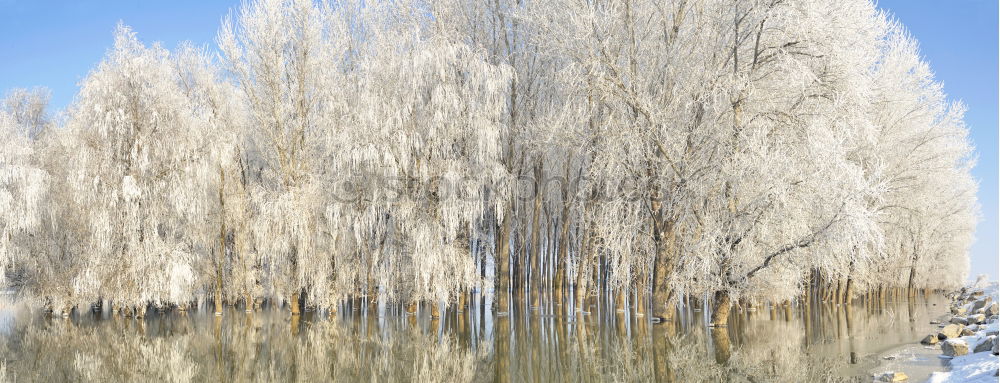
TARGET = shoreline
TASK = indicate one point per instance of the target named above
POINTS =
(960, 348)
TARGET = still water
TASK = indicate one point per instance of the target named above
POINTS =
(824, 343)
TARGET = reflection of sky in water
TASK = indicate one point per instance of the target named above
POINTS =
(7, 310)
(268, 345)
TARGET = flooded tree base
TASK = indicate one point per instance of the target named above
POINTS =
(818, 342)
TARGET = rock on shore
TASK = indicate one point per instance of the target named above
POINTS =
(970, 338)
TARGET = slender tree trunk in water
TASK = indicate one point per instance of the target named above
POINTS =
(720, 309)
(595, 276)
(372, 288)
(665, 241)
(222, 243)
(559, 281)
(502, 278)
(812, 287)
(479, 300)
(839, 291)
(561, 259)
(580, 287)
(640, 295)
(620, 299)
(293, 303)
(807, 289)
(849, 292)
(372, 297)
(578, 291)
(536, 240)
(435, 309)
(218, 299)
(586, 257)
(248, 299)
(359, 300)
(516, 270)
(910, 288)
(523, 269)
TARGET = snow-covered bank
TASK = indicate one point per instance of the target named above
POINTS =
(980, 367)
(969, 338)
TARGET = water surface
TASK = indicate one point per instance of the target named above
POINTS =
(822, 343)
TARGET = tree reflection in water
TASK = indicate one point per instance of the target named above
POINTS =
(800, 344)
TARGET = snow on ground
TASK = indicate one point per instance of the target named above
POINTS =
(980, 367)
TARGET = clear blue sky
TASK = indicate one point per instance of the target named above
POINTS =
(55, 43)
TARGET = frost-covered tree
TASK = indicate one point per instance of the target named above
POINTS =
(230, 266)
(23, 188)
(283, 56)
(928, 209)
(797, 95)
(138, 173)
(433, 127)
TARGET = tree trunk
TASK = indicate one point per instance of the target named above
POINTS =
(435, 310)
(293, 303)
(372, 297)
(720, 309)
(521, 262)
(807, 291)
(580, 290)
(620, 299)
(536, 241)
(218, 299)
(561, 259)
(849, 292)
(839, 291)
(911, 284)
(665, 240)
(222, 243)
(595, 278)
(640, 295)
(502, 278)
(249, 302)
